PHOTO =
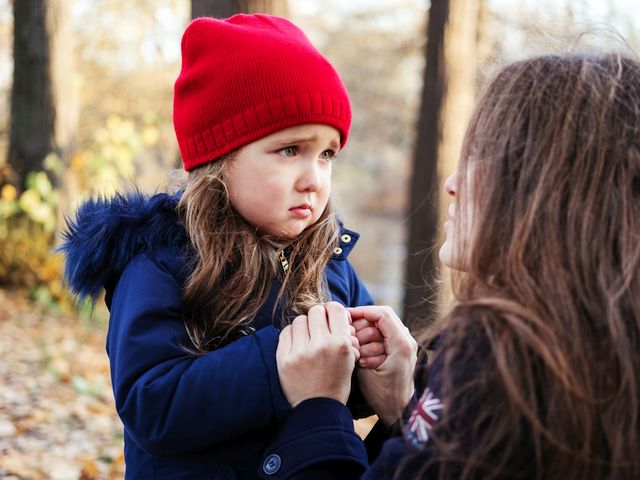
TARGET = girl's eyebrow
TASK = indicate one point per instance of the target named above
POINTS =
(295, 140)
(335, 144)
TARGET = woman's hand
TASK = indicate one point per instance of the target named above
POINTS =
(316, 355)
(389, 387)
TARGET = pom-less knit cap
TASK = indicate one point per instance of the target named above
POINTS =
(246, 77)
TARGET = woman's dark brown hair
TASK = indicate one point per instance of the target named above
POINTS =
(541, 355)
(236, 265)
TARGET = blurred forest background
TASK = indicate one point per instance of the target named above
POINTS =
(85, 109)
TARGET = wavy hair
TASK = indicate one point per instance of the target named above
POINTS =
(235, 265)
(541, 355)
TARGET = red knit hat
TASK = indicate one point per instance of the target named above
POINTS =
(246, 77)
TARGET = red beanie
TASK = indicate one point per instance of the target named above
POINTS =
(246, 77)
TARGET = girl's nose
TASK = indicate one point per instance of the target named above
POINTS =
(451, 184)
(310, 178)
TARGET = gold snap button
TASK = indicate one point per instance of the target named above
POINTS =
(337, 250)
(345, 238)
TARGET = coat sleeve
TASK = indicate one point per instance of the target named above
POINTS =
(170, 400)
(316, 441)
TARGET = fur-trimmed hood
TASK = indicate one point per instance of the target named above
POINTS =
(107, 233)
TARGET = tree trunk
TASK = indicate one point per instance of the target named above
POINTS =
(465, 50)
(44, 106)
(420, 288)
(447, 101)
(226, 8)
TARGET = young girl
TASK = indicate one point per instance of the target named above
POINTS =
(537, 371)
(198, 284)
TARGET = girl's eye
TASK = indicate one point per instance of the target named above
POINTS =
(289, 151)
(328, 154)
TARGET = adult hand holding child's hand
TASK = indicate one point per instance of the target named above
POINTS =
(387, 387)
(316, 355)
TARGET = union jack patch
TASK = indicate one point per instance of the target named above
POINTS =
(423, 418)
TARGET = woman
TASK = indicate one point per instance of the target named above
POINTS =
(536, 372)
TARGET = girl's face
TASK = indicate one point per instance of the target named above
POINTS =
(281, 183)
(459, 226)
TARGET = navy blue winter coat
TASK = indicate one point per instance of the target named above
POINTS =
(317, 441)
(184, 416)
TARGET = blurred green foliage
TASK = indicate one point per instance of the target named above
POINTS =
(30, 221)
(27, 226)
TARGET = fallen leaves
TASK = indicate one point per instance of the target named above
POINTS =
(57, 418)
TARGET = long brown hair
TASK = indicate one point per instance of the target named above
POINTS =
(541, 355)
(234, 265)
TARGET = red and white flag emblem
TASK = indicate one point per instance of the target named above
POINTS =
(423, 418)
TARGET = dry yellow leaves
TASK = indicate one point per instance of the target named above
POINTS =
(57, 418)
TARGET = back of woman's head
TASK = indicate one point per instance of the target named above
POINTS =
(555, 150)
(551, 292)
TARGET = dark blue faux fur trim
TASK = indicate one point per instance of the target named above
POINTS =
(107, 233)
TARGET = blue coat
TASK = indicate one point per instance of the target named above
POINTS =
(317, 441)
(184, 416)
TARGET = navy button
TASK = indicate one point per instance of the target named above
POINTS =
(272, 464)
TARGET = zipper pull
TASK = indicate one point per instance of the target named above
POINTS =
(283, 261)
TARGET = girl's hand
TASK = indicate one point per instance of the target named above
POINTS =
(388, 388)
(373, 352)
(316, 355)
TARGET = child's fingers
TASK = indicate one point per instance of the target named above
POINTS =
(372, 350)
(355, 342)
(372, 362)
(361, 323)
(356, 314)
(356, 347)
(396, 335)
(369, 334)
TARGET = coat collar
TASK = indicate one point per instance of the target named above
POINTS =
(106, 234)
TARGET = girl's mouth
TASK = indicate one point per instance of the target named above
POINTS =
(301, 211)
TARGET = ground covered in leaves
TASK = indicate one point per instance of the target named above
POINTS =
(57, 418)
